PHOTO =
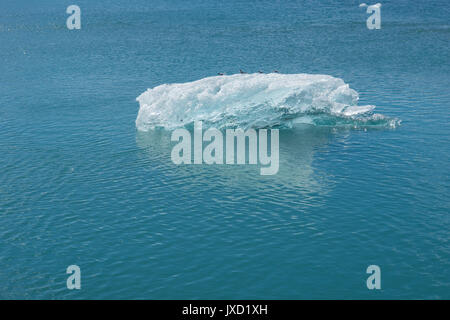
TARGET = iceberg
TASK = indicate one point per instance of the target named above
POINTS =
(256, 101)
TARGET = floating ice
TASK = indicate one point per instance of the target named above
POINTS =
(256, 100)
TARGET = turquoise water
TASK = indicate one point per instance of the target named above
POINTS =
(79, 184)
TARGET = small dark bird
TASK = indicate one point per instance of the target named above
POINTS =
(259, 71)
(242, 71)
(275, 71)
(220, 73)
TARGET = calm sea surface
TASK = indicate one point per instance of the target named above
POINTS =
(80, 185)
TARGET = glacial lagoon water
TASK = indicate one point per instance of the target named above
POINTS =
(81, 184)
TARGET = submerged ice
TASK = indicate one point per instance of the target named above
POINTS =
(256, 101)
